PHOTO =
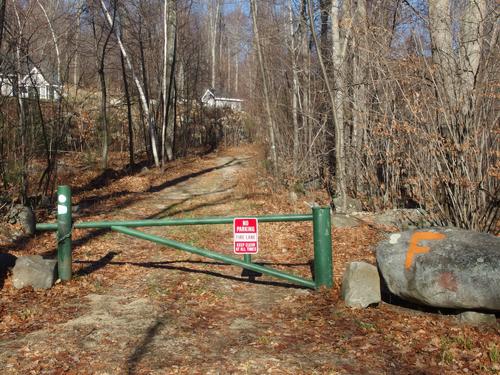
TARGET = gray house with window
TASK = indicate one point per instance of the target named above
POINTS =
(29, 85)
(222, 101)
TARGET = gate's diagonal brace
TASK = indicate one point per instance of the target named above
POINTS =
(216, 256)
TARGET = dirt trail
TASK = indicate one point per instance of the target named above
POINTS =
(213, 319)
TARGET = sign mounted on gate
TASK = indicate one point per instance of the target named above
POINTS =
(246, 235)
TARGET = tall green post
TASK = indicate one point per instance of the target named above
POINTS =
(323, 272)
(64, 232)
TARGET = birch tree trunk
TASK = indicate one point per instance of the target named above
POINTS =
(295, 90)
(214, 24)
(236, 73)
(56, 45)
(360, 112)
(164, 88)
(22, 119)
(270, 124)
(140, 89)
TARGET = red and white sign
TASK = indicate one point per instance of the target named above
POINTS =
(246, 235)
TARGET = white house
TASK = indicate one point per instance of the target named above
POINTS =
(209, 99)
(31, 83)
(35, 80)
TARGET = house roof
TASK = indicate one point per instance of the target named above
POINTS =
(36, 77)
(217, 95)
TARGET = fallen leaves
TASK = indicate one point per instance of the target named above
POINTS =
(287, 330)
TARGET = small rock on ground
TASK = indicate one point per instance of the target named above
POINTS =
(475, 318)
(34, 271)
(361, 285)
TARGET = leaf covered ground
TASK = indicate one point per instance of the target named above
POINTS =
(136, 307)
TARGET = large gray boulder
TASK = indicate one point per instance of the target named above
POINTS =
(361, 285)
(34, 271)
(443, 267)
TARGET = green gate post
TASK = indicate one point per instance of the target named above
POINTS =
(323, 274)
(64, 232)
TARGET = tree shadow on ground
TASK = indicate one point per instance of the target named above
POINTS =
(171, 265)
(110, 175)
(143, 348)
(95, 265)
(181, 179)
(16, 245)
(90, 201)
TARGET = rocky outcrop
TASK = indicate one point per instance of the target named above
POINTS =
(443, 267)
(361, 285)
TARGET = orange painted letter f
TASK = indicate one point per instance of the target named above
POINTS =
(414, 248)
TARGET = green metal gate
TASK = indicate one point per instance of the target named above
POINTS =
(320, 216)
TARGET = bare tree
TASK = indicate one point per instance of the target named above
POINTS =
(168, 77)
(215, 13)
(270, 123)
(100, 50)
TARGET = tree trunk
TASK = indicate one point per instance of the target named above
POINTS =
(100, 56)
(129, 113)
(442, 51)
(164, 87)
(76, 78)
(470, 53)
(104, 118)
(22, 120)
(270, 124)
(169, 57)
(214, 24)
(335, 100)
(360, 111)
(295, 91)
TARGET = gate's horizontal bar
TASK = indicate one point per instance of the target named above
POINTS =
(216, 256)
(174, 222)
